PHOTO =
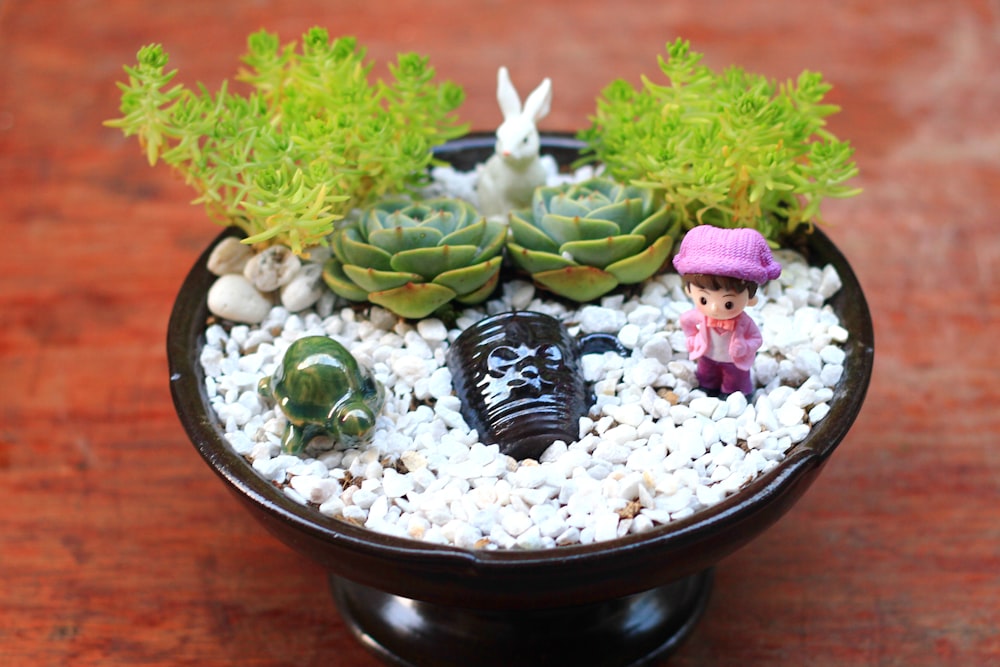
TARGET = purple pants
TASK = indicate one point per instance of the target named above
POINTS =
(723, 377)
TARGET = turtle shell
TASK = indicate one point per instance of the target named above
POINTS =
(320, 388)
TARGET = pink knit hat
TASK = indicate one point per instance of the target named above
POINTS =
(736, 253)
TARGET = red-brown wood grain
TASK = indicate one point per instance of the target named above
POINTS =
(119, 547)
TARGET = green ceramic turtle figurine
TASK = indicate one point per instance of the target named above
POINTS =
(321, 390)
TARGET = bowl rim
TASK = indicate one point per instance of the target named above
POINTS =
(185, 338)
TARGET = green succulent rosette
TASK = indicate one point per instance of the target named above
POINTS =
(414, 257)
(585, 239)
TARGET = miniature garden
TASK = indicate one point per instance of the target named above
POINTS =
(524, 355)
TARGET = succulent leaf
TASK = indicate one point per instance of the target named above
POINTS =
(664, 221)
(541, 201)
(429, 262)
(397, 239)
(481, 294)
(468, 279)
(580, 283)
(377, 217)
(467, 235)
(638, 267)
(623, 214)
(493, 241)
(413, 300)
(563, 230)
(455, 213)
(372, 280)
(602, 252)
(564, 206)
(607, 188)
(440, 217)
(339, 283)
(526, 234)
(536, 261)
(351, 248)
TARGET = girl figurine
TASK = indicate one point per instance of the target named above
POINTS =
(721, 270)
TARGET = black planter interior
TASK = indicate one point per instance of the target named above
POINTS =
(621, 602)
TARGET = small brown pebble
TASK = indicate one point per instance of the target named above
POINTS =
(668, 395)
(631, 510)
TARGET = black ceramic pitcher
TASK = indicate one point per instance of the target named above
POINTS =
(519, 379)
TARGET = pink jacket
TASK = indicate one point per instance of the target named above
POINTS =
(743, 345)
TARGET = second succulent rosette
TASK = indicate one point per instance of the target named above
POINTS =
(583, 240)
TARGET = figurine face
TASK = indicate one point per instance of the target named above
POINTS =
(720, 304)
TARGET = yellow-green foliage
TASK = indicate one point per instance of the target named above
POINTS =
(313, 139)
(731, 149)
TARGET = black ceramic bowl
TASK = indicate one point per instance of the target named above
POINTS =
(614, 603)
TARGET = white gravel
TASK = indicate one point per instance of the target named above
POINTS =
(651, 451)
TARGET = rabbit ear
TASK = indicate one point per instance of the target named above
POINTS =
(539, 101)
(510, 101)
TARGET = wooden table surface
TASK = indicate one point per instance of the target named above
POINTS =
(118, 546)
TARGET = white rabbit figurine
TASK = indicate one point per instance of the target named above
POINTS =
(512, 173)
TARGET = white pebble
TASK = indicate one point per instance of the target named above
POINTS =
(364, 498)
(658, 348)
(645, 373)
(530, 539)
(643, 315)
(304, 289)
(605, 526)
(789, 414)
(520, 294)
(596, 319)
(274, 469)
(818, 411)
(272, 268)
(831, 354)
(233, 297)
(831, 374)
(395, 485)
(530, 476)
(432, 330)
(830, 283)
(230, 255)
(631, 414)
(439, 384)
(765, 414)
(314, 489)
(838, 333)
(515, 523)
(705, 406)
(629, 335)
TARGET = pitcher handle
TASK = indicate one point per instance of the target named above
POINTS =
(599, 343)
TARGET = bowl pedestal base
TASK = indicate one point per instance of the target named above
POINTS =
(625, 631)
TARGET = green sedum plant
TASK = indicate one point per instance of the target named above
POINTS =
(583, 240)
(414, 257)
(732, 149)
(313, 139)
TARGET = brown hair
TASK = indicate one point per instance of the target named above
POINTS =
(712, 282)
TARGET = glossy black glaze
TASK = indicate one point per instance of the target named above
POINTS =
(519, 379)
(509, 584)
(629, 630)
